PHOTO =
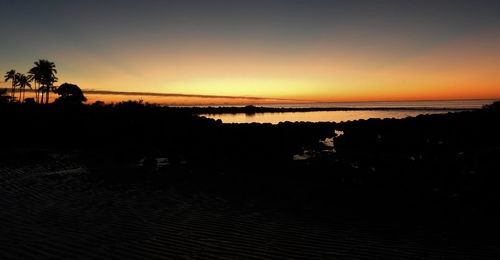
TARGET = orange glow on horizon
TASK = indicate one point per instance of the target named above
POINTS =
(462, 68)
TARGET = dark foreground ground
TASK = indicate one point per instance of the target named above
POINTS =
(134, 181)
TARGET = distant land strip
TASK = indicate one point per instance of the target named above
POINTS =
(254, 109)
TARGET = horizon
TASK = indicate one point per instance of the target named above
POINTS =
(314, 51)
(181, 99)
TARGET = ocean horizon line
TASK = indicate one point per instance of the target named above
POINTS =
(269, 100)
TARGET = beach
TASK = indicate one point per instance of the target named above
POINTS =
(144, 181)
(52, 210)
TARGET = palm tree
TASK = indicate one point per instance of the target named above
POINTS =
(35, 76)
(22, 82)
(11, 75)
(46, 71)
(41, 92)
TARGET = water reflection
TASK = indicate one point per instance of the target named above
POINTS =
(318, 116)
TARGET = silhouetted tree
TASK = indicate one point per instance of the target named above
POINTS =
(3, 96)
(69, 94)
(22, 81)
(493, 106)
(46, 71)
(36, 77)
(11, 75)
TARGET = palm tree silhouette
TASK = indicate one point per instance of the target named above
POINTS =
(22, 82)
(46, 71)
(35, 76)
(11, 75)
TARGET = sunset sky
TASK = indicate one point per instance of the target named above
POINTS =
(310, 50)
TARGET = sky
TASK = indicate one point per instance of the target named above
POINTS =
(298, 50)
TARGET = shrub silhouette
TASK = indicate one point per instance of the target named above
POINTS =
(3, 96)
(69, 94)
(494, 106)
(30, 101)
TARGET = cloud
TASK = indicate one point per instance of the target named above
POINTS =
(153, 94)
(127, 93)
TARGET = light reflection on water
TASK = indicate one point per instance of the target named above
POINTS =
(461, 104)
(318, 116)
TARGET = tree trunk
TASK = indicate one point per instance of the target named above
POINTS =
(47, 96)
(36, 92)
(13, 91)
(41, 98)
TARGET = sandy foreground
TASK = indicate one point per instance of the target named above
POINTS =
(51, 210)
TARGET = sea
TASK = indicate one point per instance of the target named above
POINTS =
(387, 109)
